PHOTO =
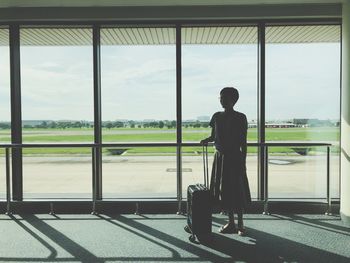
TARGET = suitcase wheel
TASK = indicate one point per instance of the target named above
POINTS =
(188, 229)
(192, 238)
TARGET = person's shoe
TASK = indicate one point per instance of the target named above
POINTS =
(242, 231)
(227, 229)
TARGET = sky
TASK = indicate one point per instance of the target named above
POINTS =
(139, 82)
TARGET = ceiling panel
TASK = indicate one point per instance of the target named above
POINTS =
(4, 37)
(55, 36)
(303, 34)
(219, 35)
(137, 36)
(211, 35)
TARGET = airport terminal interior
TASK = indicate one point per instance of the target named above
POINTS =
(103, 105)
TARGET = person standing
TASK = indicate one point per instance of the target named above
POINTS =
(229, 183)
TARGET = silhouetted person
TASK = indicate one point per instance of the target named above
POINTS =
(229, 184)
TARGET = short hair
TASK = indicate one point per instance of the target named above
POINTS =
(230, 92)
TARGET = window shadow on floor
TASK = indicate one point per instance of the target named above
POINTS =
(72, 247)
(257, 246)
(318, 222)
(270, 246)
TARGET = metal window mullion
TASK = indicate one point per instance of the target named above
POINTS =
(97, 111)
(261, 110)
(178, 116)
(16, 113)
(340, 107)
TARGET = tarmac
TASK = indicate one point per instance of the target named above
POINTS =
(155, 176)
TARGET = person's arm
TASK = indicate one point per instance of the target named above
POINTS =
(210, 138)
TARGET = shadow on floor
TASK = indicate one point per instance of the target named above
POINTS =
(320, 223)
(258, 246)
(272, 248)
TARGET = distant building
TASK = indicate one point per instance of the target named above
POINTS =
(314, 123)
(273, 125)
(252, 125)
(280, 125)
(34, 122)
(301, 121)
(203, 118)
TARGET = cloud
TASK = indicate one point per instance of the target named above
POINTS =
(139, 82)
(57, 83)
(303, 81)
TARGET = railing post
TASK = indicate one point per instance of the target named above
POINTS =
(8, 180)
(137, 208)
(266, 185)
(52, 211)
(93, 152)
(329, 199)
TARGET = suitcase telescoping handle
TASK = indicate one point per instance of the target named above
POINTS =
(205, 165)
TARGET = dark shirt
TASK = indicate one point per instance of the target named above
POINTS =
(229, 131)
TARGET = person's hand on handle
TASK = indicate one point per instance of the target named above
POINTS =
(204, 141)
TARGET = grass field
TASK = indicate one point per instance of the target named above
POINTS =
(329, 134)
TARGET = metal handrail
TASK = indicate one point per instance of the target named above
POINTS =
(95, 146)
(144, 144)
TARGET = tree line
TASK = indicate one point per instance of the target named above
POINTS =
(108, 124)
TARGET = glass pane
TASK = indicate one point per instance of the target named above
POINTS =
(303, 88)
(2, 174)
(57, 85)
(5, 110)
(57, 173)
(193, 170)
(214, 58)
(57, 107)
(334, 171)
(138, 84)
(137, 172)
(298, 175)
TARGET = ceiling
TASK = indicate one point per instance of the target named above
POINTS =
(102, 3)
(213, 35)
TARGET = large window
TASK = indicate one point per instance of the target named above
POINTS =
(139, 105)
(302, 104)
(57, 106)
(213, 58)
(56, 83)
(140, 100)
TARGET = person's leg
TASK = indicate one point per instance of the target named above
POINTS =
(230, 227)
(241, 229)
(240, 218)
(231, 218)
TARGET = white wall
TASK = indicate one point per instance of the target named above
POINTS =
(345, 119)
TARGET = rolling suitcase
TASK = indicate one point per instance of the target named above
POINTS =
(199, 209)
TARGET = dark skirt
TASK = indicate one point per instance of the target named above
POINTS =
(229, 183)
